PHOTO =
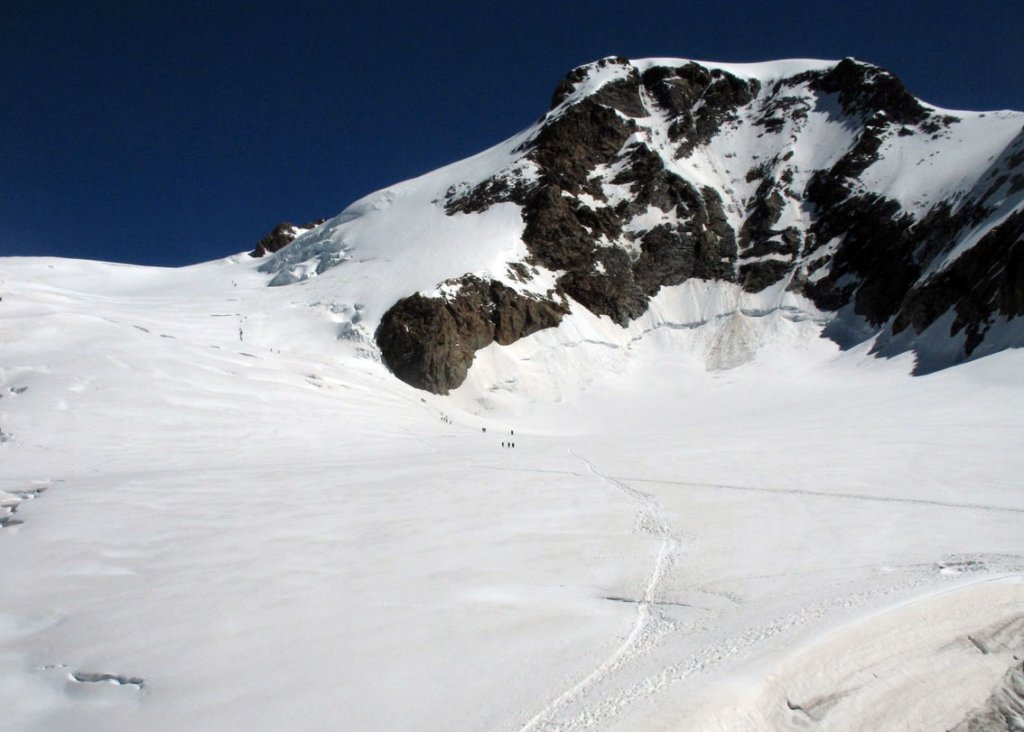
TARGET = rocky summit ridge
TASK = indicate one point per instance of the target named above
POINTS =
(826, 180)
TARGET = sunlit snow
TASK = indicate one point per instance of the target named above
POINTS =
(260, 526)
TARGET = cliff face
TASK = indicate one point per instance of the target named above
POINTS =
(828, 180)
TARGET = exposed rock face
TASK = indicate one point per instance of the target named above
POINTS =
(567, 228)
(677, 92)
(632, 182)
(985, 281)
(429, 342)
(282, 235)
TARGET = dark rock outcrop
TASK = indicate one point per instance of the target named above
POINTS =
(985, 282)
(563, 233)
(678, 91)
(281, 236)
(867, 89)
(430, 342)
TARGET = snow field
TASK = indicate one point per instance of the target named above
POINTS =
(266, 530)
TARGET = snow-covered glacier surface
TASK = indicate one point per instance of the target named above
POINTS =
(220, 512)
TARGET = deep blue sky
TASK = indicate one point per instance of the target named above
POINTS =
(176, 132)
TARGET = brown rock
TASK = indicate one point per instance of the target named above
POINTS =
(282, 235)
(430, 342)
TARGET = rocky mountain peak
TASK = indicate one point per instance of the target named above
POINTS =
(825, 179)
(869, 90)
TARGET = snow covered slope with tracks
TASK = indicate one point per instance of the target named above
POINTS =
(219, 515)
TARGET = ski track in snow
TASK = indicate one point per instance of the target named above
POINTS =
(779, 491)
(827, 494)
(643, 633)
(652, 521)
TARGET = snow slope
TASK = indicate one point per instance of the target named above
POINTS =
(232, 517)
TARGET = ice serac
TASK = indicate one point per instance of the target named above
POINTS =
(826, 181)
